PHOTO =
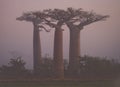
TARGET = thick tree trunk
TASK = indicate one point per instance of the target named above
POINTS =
(58, 54)
(36, 49)
(74, 50)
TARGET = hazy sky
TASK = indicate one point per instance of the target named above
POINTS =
(97, 39)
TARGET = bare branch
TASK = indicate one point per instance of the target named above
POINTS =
(92, 19)
(44, 28)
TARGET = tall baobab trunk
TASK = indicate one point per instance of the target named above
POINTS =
(36, 49)
(74, 49)
(58, 54)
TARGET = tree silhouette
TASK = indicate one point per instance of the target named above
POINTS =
(75, 25)
(37, 23)
(55, 21)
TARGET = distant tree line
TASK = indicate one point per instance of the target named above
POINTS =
(15, 68)
(88, 67)
(98, 67)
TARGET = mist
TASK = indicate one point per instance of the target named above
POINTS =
(97, 39)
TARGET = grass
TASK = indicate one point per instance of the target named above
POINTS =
(107, 83)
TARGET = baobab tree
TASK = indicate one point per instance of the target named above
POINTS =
(36, 21)
(57, 19)
(75, 26)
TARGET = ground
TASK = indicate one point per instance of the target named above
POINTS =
(61, 83)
